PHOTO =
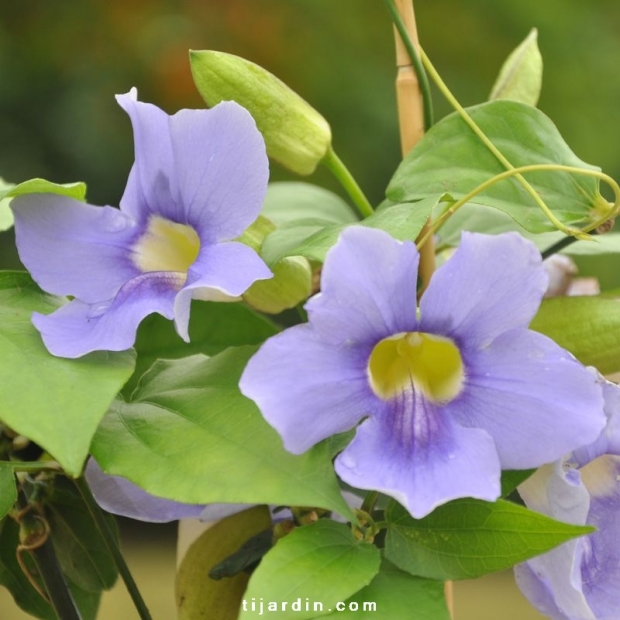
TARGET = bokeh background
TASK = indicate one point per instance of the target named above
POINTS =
(62, 61)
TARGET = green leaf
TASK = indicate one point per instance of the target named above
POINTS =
(14, 580)
(189, 420)
(394, 595)
(306, 238)
(56, 402)
(34, 186)
(588, 327)
(511, 479)
(288, 201)
(451, 158)
(520, 77)
(199, 597)
(213, 327)
(468, 538)
(319, 563)
(80, 548)
(8, 491)
(25, 596)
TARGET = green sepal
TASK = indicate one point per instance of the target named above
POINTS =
(468, 538)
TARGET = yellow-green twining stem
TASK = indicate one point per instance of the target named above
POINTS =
(485, 140)
(579, 233)
(345, 178)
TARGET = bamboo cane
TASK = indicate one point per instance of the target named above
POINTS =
(411, 123)
(411, 118)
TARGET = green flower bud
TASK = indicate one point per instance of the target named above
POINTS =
(296, 135)
(292, 275)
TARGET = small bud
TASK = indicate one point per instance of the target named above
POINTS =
(292, 275)
(296, 135)
(520, 77)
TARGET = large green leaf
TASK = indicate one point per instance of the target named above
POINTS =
(9, 191)
(56, 402)
(308, 238)
(190, 435)
(468, 538)
(395, 595)
(588, 327)
(81, 549)
(451, 158)
(25, 596)
(288, 201)
(213, 327)
(320, 563)
(198, 596)
(8, 491)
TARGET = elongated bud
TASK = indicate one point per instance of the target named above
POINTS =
(520, 77)
(296, 135)
(292, 275)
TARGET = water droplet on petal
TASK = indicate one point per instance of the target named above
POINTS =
(113, 221)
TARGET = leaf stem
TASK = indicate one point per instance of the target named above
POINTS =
(574, 232)
(110, 542)
(369, 502)
(425, 88)
(487, 142)
(558, 246)
(340, 171)
(32, 466)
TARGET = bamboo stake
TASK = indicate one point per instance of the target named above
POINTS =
(411, 123)
(411, 118)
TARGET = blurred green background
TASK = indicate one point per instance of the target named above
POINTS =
(62, 61)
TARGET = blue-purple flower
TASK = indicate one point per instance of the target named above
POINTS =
(198, 181)
(580, 580)
(448, 395)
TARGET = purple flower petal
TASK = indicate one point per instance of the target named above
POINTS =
(295, 377)
(490, 285)
(72, 248)
(414, 454)
(206, 168)
(221, 272)
(368, 288)
(531, 396)
(608, 441)
(122, 497)
(221, 169)
(151, 188)
(78, 328)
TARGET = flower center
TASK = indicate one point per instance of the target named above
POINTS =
(419, 361)
(166, 246)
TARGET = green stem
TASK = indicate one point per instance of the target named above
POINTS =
(339, 170)
(110, 542)
(487, 142)
(425, 88)
(32, 466)
(558, 246)
(369, 502)
(48, 567)
(572, 232)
